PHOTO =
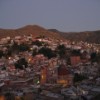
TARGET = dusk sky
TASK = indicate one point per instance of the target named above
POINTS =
(64, 15)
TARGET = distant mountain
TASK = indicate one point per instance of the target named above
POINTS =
(35, 30)
(54, 30)
(87, 36)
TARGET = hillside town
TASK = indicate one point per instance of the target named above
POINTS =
(44, 68)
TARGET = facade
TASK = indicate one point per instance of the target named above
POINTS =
(43, 76)
(75, 60)
(64, 76)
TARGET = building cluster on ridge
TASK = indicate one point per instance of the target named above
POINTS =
(72, 72)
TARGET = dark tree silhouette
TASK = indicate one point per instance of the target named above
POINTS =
(23, 47)
(34, 52)
(47, 52)
(38, 43)
(98, 57)
(61, 50)
(78, 78)
(93, 57)
(21, 63)
(76, 52)
(9, 96)
(1, 53)
(14, 47)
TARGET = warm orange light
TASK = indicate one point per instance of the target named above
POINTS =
(2, 98)
(29, 59)
(31, 48)
(42, 76)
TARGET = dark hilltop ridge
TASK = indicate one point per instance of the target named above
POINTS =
(86, 36)
(35, 30)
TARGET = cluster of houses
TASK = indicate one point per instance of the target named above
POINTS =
(55, 72)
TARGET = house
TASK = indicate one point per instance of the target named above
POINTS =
(64, 76)
(75, 60)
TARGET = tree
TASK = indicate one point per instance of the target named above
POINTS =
(61, 50)
(1, 53)
(78, 77)
(22, 98)
(97, 97)
(21, 63)
(93, 57)
(15, 47)
(9, 96)
(47, 52)
(38, 43)
(76, 52)
(23, 47)
(40, 36)
(34, 52)
(98, 57)
(8, 53)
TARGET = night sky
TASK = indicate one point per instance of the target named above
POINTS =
(64, 15)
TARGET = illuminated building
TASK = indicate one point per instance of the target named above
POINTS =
(43, 75)
(75, 60)
(64, 76)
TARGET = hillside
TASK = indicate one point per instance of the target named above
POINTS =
(87, 36)
(35, 30)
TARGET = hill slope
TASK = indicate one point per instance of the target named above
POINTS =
(35, 30)
(88, 36)
(29, 29)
